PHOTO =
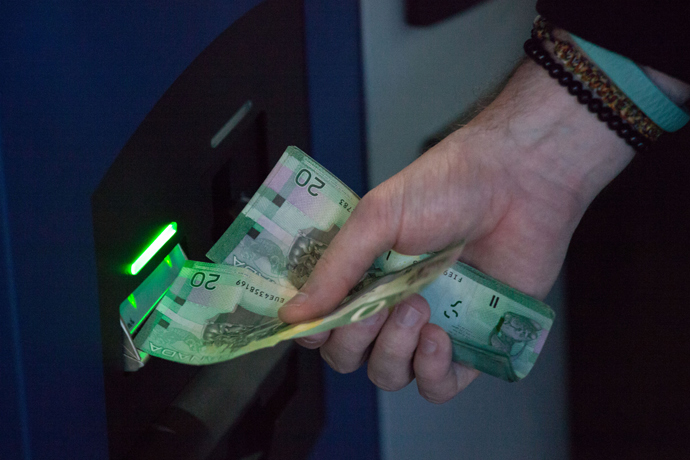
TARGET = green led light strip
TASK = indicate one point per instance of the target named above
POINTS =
(153, 248)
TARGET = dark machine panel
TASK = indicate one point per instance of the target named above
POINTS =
(197, 157)
(428, 12)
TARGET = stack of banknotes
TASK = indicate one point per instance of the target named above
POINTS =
(217, 311)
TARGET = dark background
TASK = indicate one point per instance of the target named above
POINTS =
(628, 272)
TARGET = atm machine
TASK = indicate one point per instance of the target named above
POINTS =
(195, 160)
(95, 163)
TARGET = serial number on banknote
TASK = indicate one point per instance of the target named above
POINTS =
(345, 205)
(258, 292)
(453, 275)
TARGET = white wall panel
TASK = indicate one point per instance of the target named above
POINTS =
(417, 80)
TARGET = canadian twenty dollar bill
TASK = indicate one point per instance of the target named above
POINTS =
(273, 246)
(290, 221)
(216, 312)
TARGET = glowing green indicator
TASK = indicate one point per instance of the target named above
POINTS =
(153, 248)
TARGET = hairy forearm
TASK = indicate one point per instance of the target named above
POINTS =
(556, 156)
(544, 128)
(541, 130)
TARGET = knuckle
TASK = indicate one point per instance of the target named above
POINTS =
(387, 383)
(327, 357)
(337, 365)
(310, 344)
(378, 202)
(433, 397)
(391, 351)
(384, 384)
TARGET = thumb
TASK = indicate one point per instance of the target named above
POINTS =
(369, 232)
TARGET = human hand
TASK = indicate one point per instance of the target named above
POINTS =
(513, 184)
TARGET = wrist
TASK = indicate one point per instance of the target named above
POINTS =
(658, 95)
(544, 132)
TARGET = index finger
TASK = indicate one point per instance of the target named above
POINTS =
(369, 232)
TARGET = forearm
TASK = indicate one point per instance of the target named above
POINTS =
(555, 155)
(542, 127)
(544, 138)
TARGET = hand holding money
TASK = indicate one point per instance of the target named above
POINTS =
(513, 184)
(216, 312)
(514, 231)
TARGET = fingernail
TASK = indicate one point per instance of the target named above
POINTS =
(307, 341)
(316, 338)
(427, 346)
(406, 316)
(297, 300)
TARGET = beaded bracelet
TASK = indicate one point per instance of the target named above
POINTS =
(624, 130)
(597, 81)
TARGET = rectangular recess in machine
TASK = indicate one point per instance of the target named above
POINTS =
(178, 183)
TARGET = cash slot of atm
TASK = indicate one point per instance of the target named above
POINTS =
(181, 179)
